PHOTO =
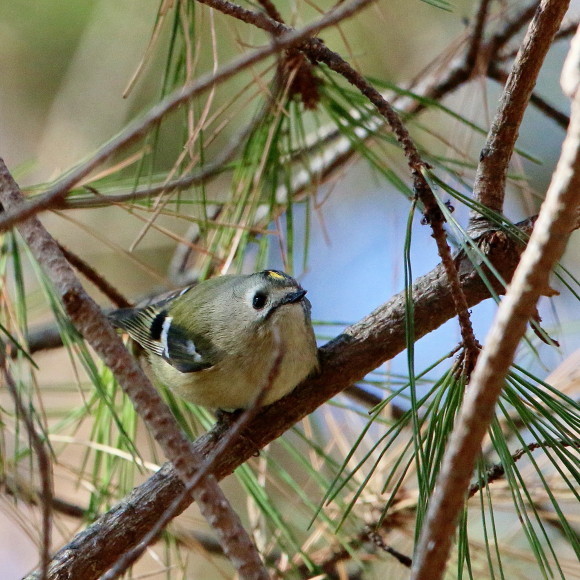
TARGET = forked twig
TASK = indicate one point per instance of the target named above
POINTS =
(545, 247)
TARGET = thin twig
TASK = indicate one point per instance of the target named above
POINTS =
(328, 561)
(511, 26)
(97, 279)
(22, 492)
(93, 325)
(490, 179)
(476, 34)
(246, 568)
(337, 154)
(566, 31)
(44, 466)
(496, 73)
(530, 280)
(271, 10)
(497, 471)
(142, 126)
(378, 541)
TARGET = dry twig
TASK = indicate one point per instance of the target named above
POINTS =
(93, 325)
(530, 280)
(44, 466)
(490, 179)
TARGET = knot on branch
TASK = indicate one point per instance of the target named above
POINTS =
(304, 83)
(466, 360)
(73, 300)
(503, 250)
(432, 215)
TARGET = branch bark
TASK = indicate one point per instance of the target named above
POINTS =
(349, 357)
(490, 179)
(546, 246)
(93, 325)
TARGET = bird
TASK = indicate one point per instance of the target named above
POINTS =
(224, 341)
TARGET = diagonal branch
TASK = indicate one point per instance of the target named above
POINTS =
(136, 130)
(490, 179)
(530, 281)
(249, 571)
(348, 358)
(93, 325)
(497, 471)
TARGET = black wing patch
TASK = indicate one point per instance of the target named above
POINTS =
(186, 354)
(154, 330)
(139, 324)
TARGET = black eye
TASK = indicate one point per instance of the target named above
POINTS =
(259, 300)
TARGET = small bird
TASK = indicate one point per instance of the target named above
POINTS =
(220, 342)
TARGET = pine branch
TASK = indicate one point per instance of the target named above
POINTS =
(361, 348)
(490, 179)
(136, 130)
(530, 281)
(93, 325)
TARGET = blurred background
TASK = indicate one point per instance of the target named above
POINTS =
(74, 74)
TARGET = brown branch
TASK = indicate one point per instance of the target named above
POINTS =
(476, 34)
(330, 558)
(348, 358)
(566, 31)
(44, 465)
(22, 492)
(490, 179)
(546, 245)
(139, 128)
(271, 10)
(511, 26)
(497, 471)
(247, 566)
(97, 279)
(496, 73)
(44, 337)
(93, 325)
(378, 541)
(460, 71)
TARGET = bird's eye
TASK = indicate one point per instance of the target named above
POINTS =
(259, 300)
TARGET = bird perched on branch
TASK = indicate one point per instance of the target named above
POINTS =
(221, 342)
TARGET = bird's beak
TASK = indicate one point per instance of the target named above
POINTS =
(292, 297)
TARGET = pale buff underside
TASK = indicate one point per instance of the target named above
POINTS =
(216, 388)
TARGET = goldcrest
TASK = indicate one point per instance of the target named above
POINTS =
(218, 343)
